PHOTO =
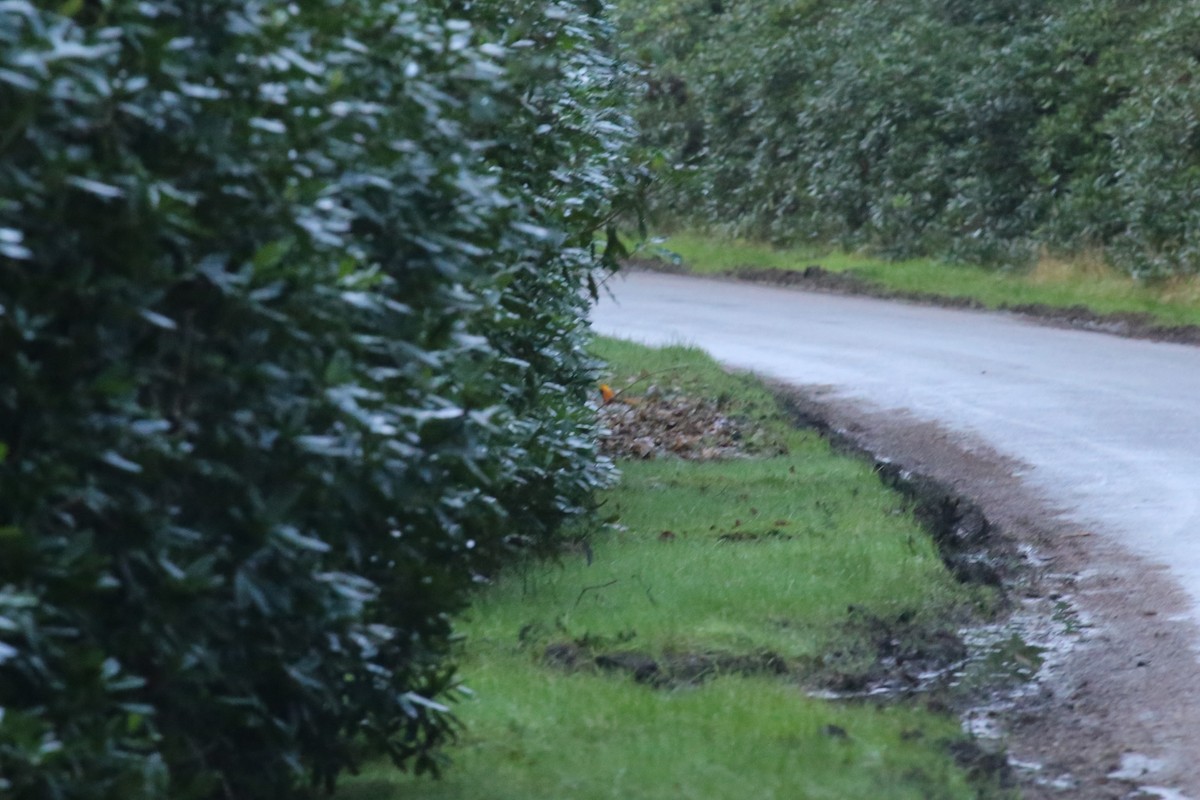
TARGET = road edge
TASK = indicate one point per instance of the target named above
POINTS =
(1103, 719)
(814, 278)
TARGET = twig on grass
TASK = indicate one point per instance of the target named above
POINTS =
(587, 589)
(644, 376)
(646, 586)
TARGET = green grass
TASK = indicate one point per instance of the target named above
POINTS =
(819, 535)
(829, 537)
(1060, 283)
(537, 734)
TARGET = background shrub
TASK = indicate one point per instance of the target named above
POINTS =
(291, 353)
(980, 132)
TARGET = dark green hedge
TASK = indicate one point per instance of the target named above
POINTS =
(291, 353)
(977, 131)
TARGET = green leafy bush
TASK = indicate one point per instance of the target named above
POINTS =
(291, 353)
(979, 132)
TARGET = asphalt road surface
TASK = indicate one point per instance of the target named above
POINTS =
(1108, 428)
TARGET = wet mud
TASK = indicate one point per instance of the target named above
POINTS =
(665, 671)
(877, 657)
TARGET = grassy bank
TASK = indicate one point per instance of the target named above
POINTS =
(680, 652)
(1053, 282)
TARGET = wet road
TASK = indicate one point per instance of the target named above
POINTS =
(1109, 428)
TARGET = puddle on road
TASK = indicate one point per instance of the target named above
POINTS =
(1134, 766)
(1161, 792)
(1015, 658)
(1008, 664)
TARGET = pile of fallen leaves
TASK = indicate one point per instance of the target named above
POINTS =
(669, 423)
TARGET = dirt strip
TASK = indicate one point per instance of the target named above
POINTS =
(1115, 710)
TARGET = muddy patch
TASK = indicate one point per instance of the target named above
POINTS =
(877, 658)
(983, 766)
(776, 534)
(895, 656)
(665, 671)
(971, 547)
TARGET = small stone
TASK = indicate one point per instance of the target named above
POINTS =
(835, 731)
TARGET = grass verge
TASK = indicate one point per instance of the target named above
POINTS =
(678, 653)
(1085, 281)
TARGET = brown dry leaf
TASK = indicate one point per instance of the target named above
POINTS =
(659, 424)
